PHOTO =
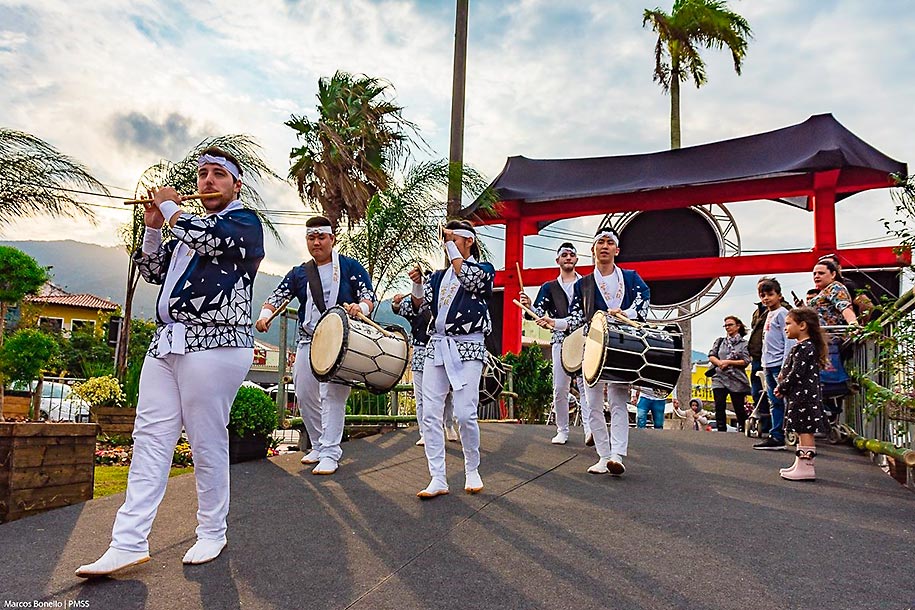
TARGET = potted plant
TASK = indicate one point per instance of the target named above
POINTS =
(42, 465)
(533, 381)
(252, 421)
(107, 405)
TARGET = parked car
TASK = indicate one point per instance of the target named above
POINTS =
(58, 403)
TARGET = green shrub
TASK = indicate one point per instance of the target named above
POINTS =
(252, 413)
(532, 378)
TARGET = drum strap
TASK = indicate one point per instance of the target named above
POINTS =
(560, 299)
(588, 290)
(314, 282)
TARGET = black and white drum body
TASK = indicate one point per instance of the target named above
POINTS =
(492, 380)
(351, 352)
(648, 356)
(573, 347)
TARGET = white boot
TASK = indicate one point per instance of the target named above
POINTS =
(312, 457)
(600, 467)
(803, 470)
(204, 550)
(112, 561)
(561, 438)
(451, 434)
(790, 468)
(436, 487)
(615, 465)
(474, 484)
(325, 466)
(421, 442)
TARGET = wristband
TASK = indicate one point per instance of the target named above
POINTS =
(364, 307)
(417, 291)
(168, 209)
(453, 251)
(265, 314)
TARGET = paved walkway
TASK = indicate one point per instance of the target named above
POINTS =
(699, 521)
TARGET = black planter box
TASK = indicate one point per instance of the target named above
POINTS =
(247, 448)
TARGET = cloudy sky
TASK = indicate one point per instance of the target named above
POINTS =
(121, 85)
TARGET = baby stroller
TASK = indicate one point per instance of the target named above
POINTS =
(759, 422)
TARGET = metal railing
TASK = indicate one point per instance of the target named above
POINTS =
(891, 365)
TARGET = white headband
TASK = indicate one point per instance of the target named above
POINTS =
(608, 234)
(565, 249)
(464, 233)
(318, 230)
(222, 161)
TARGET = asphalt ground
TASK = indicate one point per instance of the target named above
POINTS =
(698, 521)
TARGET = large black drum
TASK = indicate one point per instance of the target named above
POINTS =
(644, 355)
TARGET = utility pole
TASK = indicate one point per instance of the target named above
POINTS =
(456, 154)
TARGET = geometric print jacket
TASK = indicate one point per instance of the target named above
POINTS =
(355, 286)
(636, 295)
(212, 298)
(469, 312)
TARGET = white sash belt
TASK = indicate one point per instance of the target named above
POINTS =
(177, 343)
(447, 354)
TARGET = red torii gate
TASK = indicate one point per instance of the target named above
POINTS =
(815, 163)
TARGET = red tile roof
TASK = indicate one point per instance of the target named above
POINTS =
(86, 301)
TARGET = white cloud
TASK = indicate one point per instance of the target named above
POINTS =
(545, 79)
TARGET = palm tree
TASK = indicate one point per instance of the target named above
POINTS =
(691, 25)
(401, 224)
(183, 176)
(35, 178)
(350, 151)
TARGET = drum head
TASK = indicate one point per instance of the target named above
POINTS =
(593, 360)
(571, 352)
(327, 342)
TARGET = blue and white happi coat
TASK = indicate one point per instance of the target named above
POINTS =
(459, 304)
(632, 298)
(206, 274)
(419, 329)
(350, 283)
(545, 306)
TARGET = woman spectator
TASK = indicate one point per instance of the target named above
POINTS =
(833, 302)
(730, 355)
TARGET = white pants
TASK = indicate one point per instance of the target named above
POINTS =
(448, 416)
(322, 406)
(561, 386)
(196, 391)
(618, 439)
(435, 388)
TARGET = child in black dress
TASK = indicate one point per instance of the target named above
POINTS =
(799, 385)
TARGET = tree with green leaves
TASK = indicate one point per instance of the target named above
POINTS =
(532, 379)
(36, 178)
(401, 225)
(20, 275)
(692, 25)
(350, 151)
(183, 176)
(23, 357)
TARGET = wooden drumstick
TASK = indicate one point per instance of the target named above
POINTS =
(520, 281)
(626, 320)
(375, 324)
(526, 309)
(278, 311)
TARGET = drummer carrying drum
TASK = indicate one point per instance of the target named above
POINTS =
(554, 300)
(458, 297)
(620, 293)
(328, 279)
